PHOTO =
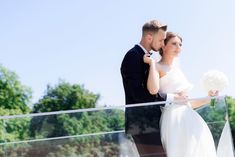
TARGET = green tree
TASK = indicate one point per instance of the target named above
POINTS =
(65, 96)
(231, 111)
(216, 116)
(13, 95)
(14, 100)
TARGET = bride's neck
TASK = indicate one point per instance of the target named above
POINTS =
(167, 61)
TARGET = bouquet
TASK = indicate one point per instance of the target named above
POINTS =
(214, 80)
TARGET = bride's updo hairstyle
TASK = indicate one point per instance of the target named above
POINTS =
(169, 35)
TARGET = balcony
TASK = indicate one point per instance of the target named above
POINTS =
(82, 133)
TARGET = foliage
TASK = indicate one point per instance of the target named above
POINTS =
(71, 147)
(14, 100)
(13, 95)
(65, 96)
(77, 123)
(214, 117)
(15, 129)
(231, 112)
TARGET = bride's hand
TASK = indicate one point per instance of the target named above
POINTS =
(148, 59)
(181, 96)
(213, 93)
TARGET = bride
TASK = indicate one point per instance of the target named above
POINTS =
(183, 132)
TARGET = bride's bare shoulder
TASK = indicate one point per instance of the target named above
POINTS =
(160, 69)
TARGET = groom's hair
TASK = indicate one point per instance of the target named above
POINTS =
(153, 26)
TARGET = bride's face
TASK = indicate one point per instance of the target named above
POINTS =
(173, 47)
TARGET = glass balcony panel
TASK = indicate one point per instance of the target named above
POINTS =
(101, 131)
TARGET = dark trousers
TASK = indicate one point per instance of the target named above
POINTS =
(149, 145)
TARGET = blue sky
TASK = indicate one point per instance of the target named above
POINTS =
(84, 41)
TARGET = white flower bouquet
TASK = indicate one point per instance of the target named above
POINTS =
(214, 80)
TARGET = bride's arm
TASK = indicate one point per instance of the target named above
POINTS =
(153, 76)
(199, 103)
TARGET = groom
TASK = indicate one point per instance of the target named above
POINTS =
(143, 122)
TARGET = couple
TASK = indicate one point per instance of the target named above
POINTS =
(177, 129)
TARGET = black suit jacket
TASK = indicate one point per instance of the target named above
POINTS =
(134, 75)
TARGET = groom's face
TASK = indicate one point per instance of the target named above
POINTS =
(158, 40)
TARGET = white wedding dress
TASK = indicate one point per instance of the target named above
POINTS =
(225, 146)
(183, 132)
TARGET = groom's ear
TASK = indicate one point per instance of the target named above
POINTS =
(149, 37)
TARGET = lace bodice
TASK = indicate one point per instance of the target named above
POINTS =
(174, 81)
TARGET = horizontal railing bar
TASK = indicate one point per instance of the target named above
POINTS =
(101, 108)
(216, 122)
(63, 137)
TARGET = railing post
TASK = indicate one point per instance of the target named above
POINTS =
(4, 138)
